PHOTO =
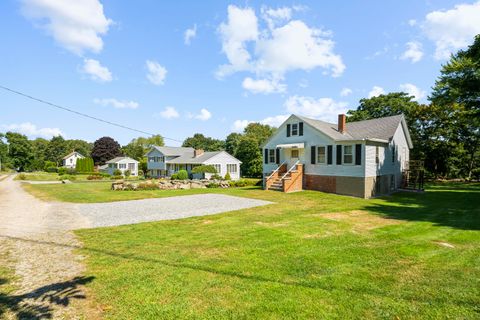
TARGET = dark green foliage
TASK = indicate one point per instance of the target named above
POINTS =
(84, 165)
(56, 150)
(213, 185)
(105, 149)
(232, 141)
(117, 172)
(62, 171)
(127, 173)
(137, 148)
(204, 169)
(215, 177)
(199, 141)
(117, 177)
(50, 166)
(20, 150)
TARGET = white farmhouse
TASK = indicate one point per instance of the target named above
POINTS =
(70, 160)
(362, 158)
(123, 164)
(165, 161)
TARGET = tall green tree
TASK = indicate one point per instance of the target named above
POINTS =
(232, 142)
(39, 148)
(20, 150)
(249, 153)
(458, 89)
(259, 132)
(4, 158)
(137, 148)
(199, 141)
(81, 146)
(105, 149)
(56, 150)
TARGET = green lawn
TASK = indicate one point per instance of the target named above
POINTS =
(310, 255)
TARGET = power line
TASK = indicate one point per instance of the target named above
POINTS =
(80, 113)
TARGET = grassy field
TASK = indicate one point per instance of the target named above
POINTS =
(310, 255)
(100, 192)
(52, 176)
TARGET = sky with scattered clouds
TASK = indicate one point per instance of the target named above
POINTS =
(213, 67)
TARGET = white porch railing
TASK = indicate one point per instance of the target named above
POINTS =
(293, 167)
(274, 171)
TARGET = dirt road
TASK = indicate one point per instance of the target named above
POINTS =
(35, 237)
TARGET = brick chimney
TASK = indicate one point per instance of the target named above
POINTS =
(198, 152)
(342, 120)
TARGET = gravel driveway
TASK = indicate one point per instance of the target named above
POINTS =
(135, 211)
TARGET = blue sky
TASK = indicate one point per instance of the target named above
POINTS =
(183, 67)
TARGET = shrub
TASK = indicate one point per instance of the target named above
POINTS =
(104, 174)
(227, 176)
(50, 166)
(127, 173)
(22, 176)
(182, 175)
(62, 171)
(117, 177)
(51, 169)
(215, 177)
(204, 169)
(213, 185)
(84, 165)
(117, 172)
(147, 186)
(67, 177)
(71, 171)
(94, 177)
(140, 173)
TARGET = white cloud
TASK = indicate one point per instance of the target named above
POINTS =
(96, 71)
(412, 22)
(346, 92)
(284, 46)
(414, 52)
(453, 29)
(263, 85)
(118, 104)
(75, 25)
(376, 91)
(156, 73)
(275, 121)
(169, 113)
(412, 90)
(32, 131)
(325, 109)
(190, 34)
(204, 115)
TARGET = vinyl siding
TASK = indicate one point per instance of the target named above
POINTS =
(312, 137)
(223, 159)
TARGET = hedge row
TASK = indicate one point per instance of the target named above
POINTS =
(84, 165)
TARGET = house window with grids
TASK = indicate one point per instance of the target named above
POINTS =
(322, 155)
(232, 168)
(271, 155)
(377, 154)
(122, 165)
(295, 129)
(347, 154)
(217, 167)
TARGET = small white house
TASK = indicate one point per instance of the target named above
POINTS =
(70, 160)
(123, 164)
(165, 161)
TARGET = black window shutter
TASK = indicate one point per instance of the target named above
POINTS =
(277, 155)
(358, 154)
(288, 130)
(339, 154)
(300, 128)
(266, 156)
(312, 154)
(329, 154)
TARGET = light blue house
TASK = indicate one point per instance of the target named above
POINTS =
(165, 161)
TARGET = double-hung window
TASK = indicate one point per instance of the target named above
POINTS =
(348, 154)
(122, 165)
(322, 155)
(232, 168)
(271, 155)
(294, 154)
(295, 129)
(217, 167)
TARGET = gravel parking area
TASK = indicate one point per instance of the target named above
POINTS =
(135, 211)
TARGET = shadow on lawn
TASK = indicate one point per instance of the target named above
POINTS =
(39, 303)
(443, 205)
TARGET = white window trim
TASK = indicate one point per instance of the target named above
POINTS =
(326, 156)
(294, 134)
(343, 155)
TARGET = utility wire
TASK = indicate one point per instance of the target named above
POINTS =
(81, 114)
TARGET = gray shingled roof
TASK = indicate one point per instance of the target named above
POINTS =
(187, 158)
(175, 151)
(380, 128)
(115, 160)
